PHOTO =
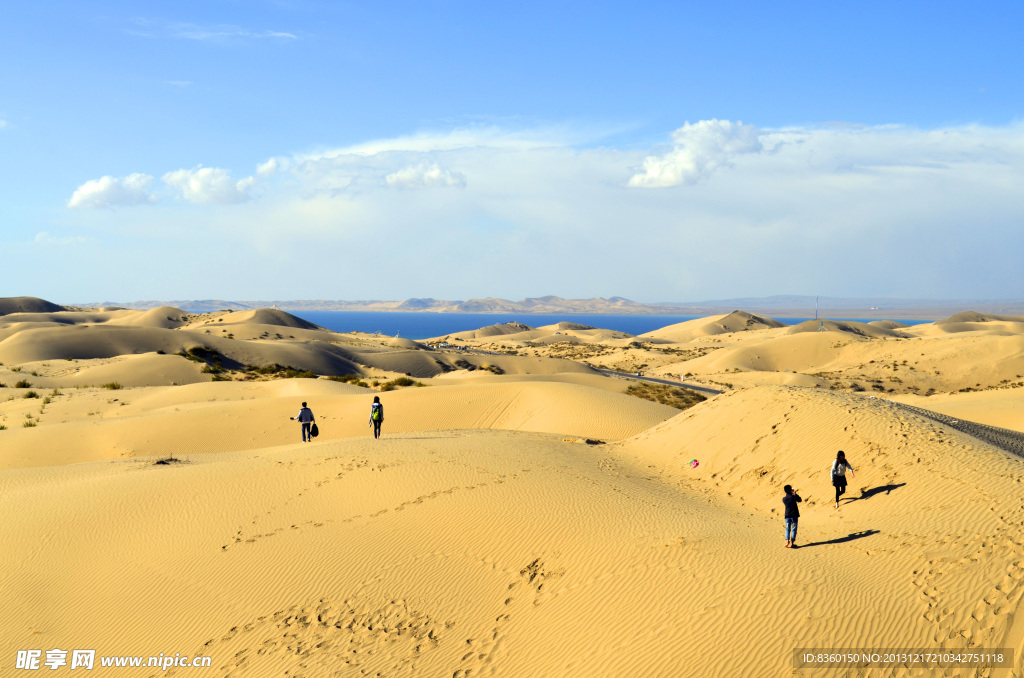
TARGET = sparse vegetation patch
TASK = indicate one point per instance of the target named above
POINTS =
(351, 379)
(673, 396)
(398, 383)
(278, 371)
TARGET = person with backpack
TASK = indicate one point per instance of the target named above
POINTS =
(305, 417)
(790, 501)
(839, 468)
(376, 416)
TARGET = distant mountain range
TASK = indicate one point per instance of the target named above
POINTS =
(780, 306)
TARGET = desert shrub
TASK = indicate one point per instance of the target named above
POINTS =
(2, 427)
(201, 354)
(112, 385)
(345, 378)
(465, 365)
(398, 383)
(212, 369)
(493, 368)
(47, 400)
(351, 379)
(31, 394)
(673, 396)
(29, 424)
(16, 369)
(23, 384)
(282, 372)
(854, 386)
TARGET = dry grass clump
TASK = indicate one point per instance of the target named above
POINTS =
(577, 351)
(277, 371)
(353, 379)
(673, 396)
(398, 383)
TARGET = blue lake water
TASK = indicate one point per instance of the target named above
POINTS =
(426, 325)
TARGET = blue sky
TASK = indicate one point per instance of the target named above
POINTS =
(665, 152)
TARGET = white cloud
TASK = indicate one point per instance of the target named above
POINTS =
(699, 149)
(110, 192)
(4, 123)
(268, 168)
(44, 238)
(209, 186)
(151, 28)
(424, 176)
(225, 32)
(454, 140)
(178, 83)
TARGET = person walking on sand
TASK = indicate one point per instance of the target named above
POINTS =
(790, 501)
(305, 417)
(376, 416)
(839, 468)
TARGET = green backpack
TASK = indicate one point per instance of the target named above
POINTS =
(377, 412)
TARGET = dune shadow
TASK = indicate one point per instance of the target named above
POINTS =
(840, 540)
(870, 492)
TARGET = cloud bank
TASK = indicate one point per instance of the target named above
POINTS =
(723, 209)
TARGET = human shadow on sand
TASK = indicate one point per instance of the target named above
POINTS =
(870, 492)
(841, 540)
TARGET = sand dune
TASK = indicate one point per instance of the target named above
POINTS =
(237, 339)
(872, 330)
(931, 526)
(392, 545)
(1003, 408)
(492, 331)
(482, 535)
(737, 321)
(205, 418)
(27, 305)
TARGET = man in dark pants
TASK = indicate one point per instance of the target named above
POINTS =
(790, 501)
(305, 418)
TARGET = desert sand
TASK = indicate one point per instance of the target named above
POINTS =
(523, 514)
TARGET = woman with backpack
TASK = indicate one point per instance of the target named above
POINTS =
(839, 468)
(376, 416)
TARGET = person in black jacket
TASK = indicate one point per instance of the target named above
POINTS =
(790, 501)
(306, 418)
